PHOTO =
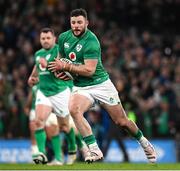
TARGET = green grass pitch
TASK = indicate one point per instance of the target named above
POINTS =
(93, 166)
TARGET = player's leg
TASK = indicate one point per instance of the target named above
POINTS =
(32, 128)
(83, 148)
(112, 104)
(79, 104)
(60, 106)
(52, 131)
(42, 110)
(118, 115)
(70, 138)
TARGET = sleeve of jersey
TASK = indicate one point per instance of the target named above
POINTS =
(92, 50)
(61, 44)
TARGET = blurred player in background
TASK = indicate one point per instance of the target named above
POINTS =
(52, 131)
(52, 96)
(92, 84)
(51, 128)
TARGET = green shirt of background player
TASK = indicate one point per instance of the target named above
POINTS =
(52, 96)
(92, 84)
(48, 83)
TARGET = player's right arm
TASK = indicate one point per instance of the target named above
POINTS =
(33, 78)
(60, 74)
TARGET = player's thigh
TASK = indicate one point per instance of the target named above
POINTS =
(60, 103)
(42, 112)
(79, 103)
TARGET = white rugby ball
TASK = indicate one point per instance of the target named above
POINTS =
(66, 60)
(66, 72)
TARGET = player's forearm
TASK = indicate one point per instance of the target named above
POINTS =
(79, 69)
(34, 72)
(29, 100)
(33, 78)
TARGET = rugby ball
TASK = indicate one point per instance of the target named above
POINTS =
(66, 72)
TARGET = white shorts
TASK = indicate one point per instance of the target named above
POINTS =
(58, 102)
(52, 119)
(101, 93)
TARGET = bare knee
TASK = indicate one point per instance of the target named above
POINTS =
(39, 122)
(74, 111)
(32, 125)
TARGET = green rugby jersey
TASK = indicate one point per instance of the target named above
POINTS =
(48, 83)
(77, 49)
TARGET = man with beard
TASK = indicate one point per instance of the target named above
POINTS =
(92, 84)
(52, 96)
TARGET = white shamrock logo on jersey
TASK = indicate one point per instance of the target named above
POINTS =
(78, 47)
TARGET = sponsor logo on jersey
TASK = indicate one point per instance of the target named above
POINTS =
(72, 56)
(78, 47)
(66, 45)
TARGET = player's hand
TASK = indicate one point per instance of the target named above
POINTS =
(32, 81)
(62, 76)
(55, 65)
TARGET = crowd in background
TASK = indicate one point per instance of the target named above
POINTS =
(140, 49)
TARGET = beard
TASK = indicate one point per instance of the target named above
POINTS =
(47, 46)
(81, 33)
